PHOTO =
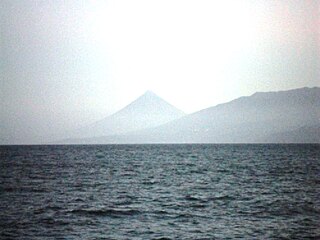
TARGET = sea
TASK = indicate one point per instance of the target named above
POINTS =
(191, 191)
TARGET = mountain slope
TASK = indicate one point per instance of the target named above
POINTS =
(147, 111)
(244, 120)
(310, 134)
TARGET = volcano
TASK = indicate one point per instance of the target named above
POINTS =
(147, 111)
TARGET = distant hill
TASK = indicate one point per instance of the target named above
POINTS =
(263, 117)
(149, 110)
(310, 134)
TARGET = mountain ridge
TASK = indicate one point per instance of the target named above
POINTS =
(146, 111)
(248, 119)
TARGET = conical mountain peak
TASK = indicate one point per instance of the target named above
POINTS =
(148, 95)
(150, 103)
(148, 110)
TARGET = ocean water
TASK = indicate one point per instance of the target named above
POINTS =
(160, 192)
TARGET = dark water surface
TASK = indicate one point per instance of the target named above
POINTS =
(160, 192)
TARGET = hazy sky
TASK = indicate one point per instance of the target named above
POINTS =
(64, 63)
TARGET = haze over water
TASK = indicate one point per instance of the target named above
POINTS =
(160, 192)
(150, 72)
(66, 64)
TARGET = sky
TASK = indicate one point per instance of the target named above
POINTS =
(67, 63)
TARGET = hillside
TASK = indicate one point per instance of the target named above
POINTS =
(253, 119)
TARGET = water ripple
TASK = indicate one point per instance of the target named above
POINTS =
(160, 192)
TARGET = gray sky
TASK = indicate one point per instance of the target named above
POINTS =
(65, 63)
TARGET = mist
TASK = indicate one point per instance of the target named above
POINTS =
(64, 65)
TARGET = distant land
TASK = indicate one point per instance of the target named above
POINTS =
(291, 116)
(148, 111)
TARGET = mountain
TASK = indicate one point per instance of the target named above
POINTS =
(149, 110)
(310, 134)
(262, 117)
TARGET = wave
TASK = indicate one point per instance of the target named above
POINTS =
(213, 198)
(106, 212)
(223, 197)
(162, 238)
